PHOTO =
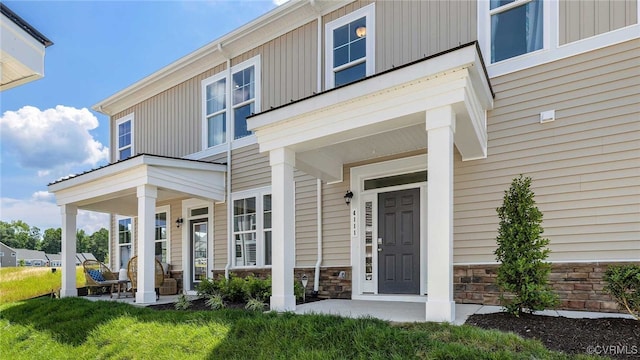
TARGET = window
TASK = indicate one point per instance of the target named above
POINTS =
(349, 53)
(239, 87)
(252, 229)
(125, 137)
(516, 28)
(125, 230)
(161, 237)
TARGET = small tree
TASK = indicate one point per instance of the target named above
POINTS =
(521, 252)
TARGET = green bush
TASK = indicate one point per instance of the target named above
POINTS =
(521, 252)
(183, 302)
(256, 288)
(237, 289)
(623, 283)
(255, 305)
(215, 302)
(207, 287)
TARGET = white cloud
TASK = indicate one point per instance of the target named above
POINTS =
(39, 211)
(51, 139)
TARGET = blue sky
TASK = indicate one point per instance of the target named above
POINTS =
(47, 127)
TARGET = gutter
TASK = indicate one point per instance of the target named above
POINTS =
(316, 279)
(227, 267)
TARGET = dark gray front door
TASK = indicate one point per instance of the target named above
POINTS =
(399, 230)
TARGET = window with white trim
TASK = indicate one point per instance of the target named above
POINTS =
(516, 28)
(252, 228)
(125, 241)
(229, 98)
(349, 47)
(161, 236)
(124, 131)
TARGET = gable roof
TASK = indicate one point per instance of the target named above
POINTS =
(26, 254)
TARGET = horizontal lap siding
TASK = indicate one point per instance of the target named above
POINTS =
(336, 242)
(585, 165)
(169, 123)
(249, 169)
(585, 18)
(220, 236)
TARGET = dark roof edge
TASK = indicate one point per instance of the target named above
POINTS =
(25, 26)
(473, 43)
(127, 159)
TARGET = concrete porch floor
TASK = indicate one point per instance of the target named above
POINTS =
(395, 311)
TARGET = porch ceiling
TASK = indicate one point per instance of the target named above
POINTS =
(113, 188)
(382, 115)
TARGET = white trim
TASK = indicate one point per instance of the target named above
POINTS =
(165, 209)
(551, 51)
(203, 98)
(255, 62)
(376, 170)
(259, 194)
(391, 297)
(187, 206)
(117, 239)
(369, 13)
(129, 117)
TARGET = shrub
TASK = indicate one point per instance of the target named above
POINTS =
(256, 288)
(215, 302)
(521, 252)
(255, 305)
(183, 302)
(207, 287)
(623, 283)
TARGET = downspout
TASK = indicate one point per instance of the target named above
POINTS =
(316, 279)
(228, 195)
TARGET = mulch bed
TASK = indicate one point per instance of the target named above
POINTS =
(614, 337)
(199, 304)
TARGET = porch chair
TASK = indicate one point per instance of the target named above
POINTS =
(98, 275)
(132, 272)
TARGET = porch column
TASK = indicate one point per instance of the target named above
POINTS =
(147, 195)
(282, 162)
(69, 214)
(440, 125)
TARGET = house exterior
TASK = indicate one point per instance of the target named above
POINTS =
(367, 144)
(55, 260)
(22, 50)
(7, 256)
(31, 257)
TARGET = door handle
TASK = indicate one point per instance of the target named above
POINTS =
(379, 244)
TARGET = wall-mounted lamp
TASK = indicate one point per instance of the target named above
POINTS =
(179, 221)
(361, 31)
(348, 196)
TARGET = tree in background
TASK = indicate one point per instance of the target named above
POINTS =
(19, 235)
(100, 244)
(521, 252)
(51, 241)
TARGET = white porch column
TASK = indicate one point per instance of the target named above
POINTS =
(147, 195)
(440, 125)
(69, 214)
(282, 161)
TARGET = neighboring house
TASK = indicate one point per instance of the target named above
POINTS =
(240, 157)
(32, 257)
(82, 257)
(7, 256)
(22, 50)
(55, 260)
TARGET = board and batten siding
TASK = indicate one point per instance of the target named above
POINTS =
(585, 18)
(169, 123)
(585, 165)
(288, 66)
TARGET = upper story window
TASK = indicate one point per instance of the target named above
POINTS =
(252, 228)
(125, 137)
(516, 28)
(349, 47)
(238, 87)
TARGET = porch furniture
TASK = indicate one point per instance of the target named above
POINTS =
(169, 287)
(132, 271)
(98, 276)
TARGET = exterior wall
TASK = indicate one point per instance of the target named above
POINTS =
(249, 169)
(582, 19)
(9, 259)
(306, 219)
(578, 286)
(336, 242)
(169, 123)
(220, 240)
(584, 164)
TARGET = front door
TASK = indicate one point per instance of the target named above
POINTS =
(199, 250)
(399, 242)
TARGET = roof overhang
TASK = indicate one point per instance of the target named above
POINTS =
(22, 50)
(383, 114)
(112, 188)
(276, 22)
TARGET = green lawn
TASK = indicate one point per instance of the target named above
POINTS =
(75, 328)
(24, 282)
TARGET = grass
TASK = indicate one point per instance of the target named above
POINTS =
(18, 283)
(81, 329)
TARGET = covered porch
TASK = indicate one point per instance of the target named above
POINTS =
(132, 187)
(432, 104)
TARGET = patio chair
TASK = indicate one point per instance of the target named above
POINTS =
(98, 275)
(132, 271)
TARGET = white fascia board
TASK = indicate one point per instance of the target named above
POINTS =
(277, 22)
(21, 46)
(424, 70)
